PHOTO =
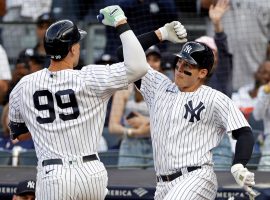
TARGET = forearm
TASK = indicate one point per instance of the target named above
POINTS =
(218, 27)
(146, 40)
(116, 128)
(244, 145)
(134, 56)
(25, 136)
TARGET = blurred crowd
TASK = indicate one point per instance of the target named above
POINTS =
(238, 32)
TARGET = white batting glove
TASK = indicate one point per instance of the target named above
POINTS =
(111, 15)
(244, 178)
(174, 32)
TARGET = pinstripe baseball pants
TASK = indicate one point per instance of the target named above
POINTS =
(200, 184)
(80, 181)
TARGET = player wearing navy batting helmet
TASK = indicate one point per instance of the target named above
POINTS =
(63, 110)
(188, 119)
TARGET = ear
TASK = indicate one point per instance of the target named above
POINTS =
(203, 73)
(72, 49)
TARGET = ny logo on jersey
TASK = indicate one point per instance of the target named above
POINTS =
(192, 111)
(187, 49)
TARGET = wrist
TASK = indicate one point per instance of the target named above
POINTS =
(236, 167)
(158, 34)
(123, 21)
(218, 27)
(121, 28)
(128, 132)
(164, 33)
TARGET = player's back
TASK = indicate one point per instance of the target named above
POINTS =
(62, 111)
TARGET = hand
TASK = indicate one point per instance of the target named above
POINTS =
(216, 12)
(174, 32)
(137, 120)
(112, 15)
(141, 131)
(244, 178)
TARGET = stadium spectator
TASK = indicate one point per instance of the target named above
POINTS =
(262, 112)
(246, 96)
(37, 54)
(153, 57)
(168, 64)
(5, 74)
(136, 147)
(25, 190)
(247, 24)
(21, 12)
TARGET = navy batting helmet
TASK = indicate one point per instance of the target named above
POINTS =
(59, 38)
(199, 54)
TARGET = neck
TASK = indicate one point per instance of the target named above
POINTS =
(60, 65)
(192, 88)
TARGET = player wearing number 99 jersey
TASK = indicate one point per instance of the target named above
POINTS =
(63, 110)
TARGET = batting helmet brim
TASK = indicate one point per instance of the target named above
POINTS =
(186, 57)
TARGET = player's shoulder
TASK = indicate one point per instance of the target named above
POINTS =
(156, 76)
(28, 79)
(216, 95)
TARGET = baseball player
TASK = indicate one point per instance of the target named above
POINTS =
(63, 110)
(188, 119)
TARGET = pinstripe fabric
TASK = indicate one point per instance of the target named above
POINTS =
(185, 126)
(65, 112)
(200, 184)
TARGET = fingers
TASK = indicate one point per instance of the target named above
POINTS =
(180, 29)
(183, 40)
(249, 181)
(250, 191)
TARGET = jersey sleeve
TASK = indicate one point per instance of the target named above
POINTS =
(106, 79)
(229, 115)
(16, 123)
(14, 105)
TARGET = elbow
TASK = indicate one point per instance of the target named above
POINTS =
(111, 128)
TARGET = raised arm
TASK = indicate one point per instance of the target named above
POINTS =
(174, 32)
(134, 57)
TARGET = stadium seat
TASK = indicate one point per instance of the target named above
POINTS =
(109, 158)
(27, 158)
(5, 157)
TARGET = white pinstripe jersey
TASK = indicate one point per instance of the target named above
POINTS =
(185, 126)
(65, 110)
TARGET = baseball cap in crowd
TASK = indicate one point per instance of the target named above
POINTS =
(45, 18)
(106, 59)
(31, 54)
(209, 41)
(26, 187)
(168, 61)
(153, 50)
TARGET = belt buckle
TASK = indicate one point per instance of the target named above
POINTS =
(72, 161)
(167, 177)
